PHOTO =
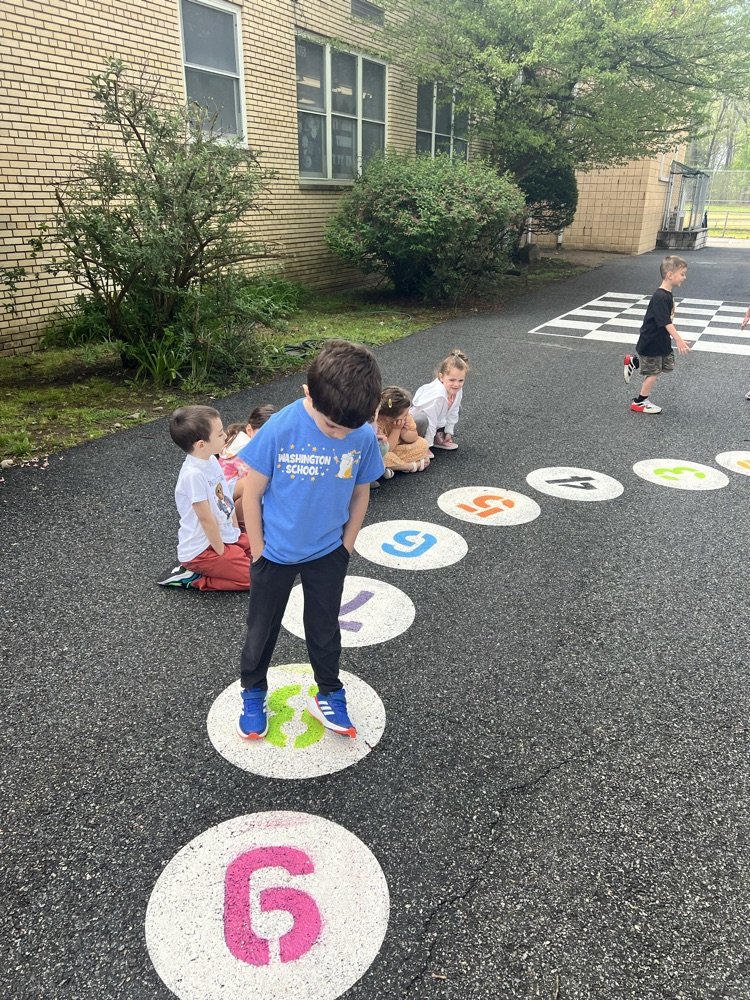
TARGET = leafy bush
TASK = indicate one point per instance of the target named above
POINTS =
(551, 192)
(155, 229)
(435, 227)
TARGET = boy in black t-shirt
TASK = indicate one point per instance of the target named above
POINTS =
(654, 353)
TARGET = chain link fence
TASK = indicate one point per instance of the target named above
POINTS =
(729, 204)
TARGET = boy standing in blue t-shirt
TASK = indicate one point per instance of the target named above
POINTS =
(305, 499)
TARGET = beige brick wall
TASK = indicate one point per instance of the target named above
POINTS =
(49, 49)
(619, 209)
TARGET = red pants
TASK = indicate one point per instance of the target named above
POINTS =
(230, 571)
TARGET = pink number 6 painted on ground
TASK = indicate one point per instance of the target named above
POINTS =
(239, 935)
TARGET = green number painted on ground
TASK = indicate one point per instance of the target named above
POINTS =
(280, 712)
(677, 471)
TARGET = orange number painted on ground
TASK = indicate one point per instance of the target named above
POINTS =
(479, 505)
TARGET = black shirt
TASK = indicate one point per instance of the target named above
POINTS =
(654, 341)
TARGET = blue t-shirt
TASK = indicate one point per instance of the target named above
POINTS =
(311, 482)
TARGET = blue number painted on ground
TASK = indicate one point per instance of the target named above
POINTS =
(410, 543)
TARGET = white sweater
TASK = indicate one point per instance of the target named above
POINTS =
(431, 401)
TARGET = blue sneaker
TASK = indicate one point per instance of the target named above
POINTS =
(253, 721)
(330, 709)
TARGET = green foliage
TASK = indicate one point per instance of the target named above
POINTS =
(155, 230)
(10, 277)
(551, 193)
(434, 227)
(82, 321)
(588, 82)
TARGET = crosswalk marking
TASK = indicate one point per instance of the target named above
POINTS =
(711, 324)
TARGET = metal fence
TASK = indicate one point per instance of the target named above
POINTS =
(729, 204)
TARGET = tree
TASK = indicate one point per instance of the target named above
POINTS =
(588, 83)
(154, 225)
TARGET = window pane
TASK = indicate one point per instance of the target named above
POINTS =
(220, 95)
(424, 142)
(343, 83)
(443, 114)
(312, 145)
(344, 143)
(442, 144)
(310, 76)
(373, 140)
(460, 149)
(209, 37)
(425, 93)
(373, 91)
(461, 123)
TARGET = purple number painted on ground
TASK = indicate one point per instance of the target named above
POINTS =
(356, 602)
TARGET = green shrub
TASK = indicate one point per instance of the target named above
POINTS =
(435, 227)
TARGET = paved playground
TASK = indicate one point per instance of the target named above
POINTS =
(547, 646)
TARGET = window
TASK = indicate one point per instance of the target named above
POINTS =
(368, 11)
(211, 51)
(441, 127)
(340, 111)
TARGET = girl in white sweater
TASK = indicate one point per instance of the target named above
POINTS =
(435, 406)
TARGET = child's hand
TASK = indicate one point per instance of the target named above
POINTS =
(683, 346)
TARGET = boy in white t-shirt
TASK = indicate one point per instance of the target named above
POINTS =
(213, 553)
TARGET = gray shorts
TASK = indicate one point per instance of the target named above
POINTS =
(655, 366)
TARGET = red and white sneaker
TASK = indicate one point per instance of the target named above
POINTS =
(645, 407)
(630, 364)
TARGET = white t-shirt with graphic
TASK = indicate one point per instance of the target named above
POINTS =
(202, 479)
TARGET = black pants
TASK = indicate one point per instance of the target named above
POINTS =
(322, 586)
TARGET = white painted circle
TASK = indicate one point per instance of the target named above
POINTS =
(296, 745)
(572, 483)
(735, 461)
(371, 612)
(411, 545)
(274, 905)
(493, 505)
(680, 474)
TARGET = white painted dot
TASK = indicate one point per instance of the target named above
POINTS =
(371, 612)
(274, 905)
(680, 474)
(296, 745)
(411, 545)
(735, 461)
(493, 505)
(572, 483)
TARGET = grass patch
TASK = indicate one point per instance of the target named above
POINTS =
(52, 399)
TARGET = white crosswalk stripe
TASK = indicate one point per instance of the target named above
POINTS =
(616, 317)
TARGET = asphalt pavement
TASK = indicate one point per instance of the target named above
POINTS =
(559, 799)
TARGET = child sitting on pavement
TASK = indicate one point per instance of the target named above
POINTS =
(234, 468)
(436, 405)
(304, 500)
(407, 451)
(213, 553)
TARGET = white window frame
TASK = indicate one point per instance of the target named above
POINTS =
(328, 114)
(433, 131)
(236, 13)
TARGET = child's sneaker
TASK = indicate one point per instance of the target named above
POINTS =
(388, 474)
(330, 709)
(444, 441)
(644, 407)
(630, 364)
(253, 721)
(179, 577)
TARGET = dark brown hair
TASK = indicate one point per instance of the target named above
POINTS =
(260, 414)
(344, 383)
(393, 401)
(190, 424)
